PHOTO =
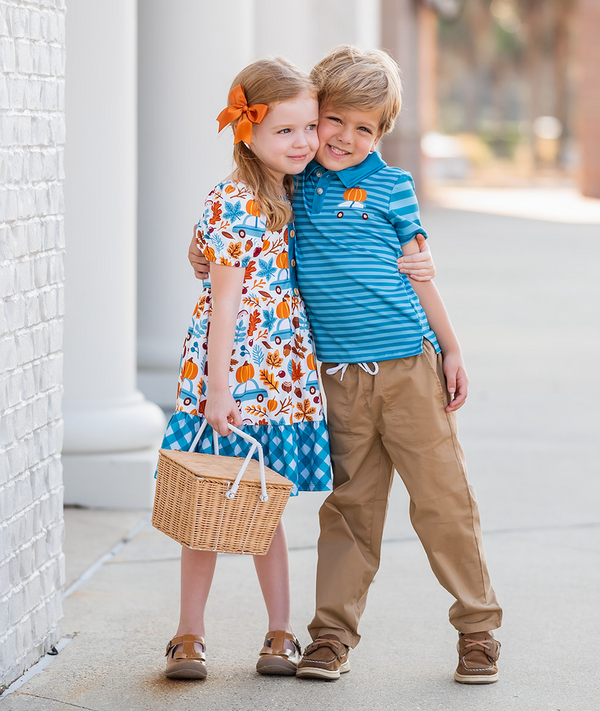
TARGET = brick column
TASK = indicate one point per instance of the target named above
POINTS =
(111, 431)
(32, 129)
(588, 97)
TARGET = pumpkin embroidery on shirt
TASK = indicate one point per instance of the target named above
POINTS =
(354, 198)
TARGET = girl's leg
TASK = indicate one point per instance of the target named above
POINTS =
(274, 578)
(197, 570)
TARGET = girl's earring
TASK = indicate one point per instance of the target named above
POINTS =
(247, 146)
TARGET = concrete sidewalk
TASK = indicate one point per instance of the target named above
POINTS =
(524, 297)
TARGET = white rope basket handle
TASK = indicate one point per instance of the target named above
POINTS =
(232, 491)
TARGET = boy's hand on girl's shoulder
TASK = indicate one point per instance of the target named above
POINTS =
(457, 381)
(199, 262)
(418, 266)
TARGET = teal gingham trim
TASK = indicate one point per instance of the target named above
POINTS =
(300, 452)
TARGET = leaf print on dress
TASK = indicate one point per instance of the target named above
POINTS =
(216, 213)
(258, 355)
(269, 318)
(253, 322)
(269, 380)
(218, 242)
(233, 211)
(267, 269)
(274, 359)
(240, 332)
(305, 410)
(296, 371)
(235, 250)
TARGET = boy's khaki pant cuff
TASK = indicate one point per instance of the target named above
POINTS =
(346, 638)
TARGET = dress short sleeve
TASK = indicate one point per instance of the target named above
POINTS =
(231, 228)
(403, 211)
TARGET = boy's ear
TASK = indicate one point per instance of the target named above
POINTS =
(375, 142)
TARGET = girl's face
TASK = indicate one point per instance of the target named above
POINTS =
(286, 139)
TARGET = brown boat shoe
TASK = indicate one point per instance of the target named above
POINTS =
(478, 654)
(183, 661)
(278, 659)
(325, 658)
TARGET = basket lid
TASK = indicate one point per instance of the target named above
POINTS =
(221, 467)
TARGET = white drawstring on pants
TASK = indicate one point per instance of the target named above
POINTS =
(344, 366)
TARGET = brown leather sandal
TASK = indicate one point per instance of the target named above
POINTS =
(275, 658)
(186, 662)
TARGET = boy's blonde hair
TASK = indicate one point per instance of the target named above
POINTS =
(363, 80)
(268, 81)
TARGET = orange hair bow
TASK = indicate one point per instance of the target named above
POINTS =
(239, 108)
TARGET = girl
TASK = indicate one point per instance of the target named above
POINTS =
(248, 356)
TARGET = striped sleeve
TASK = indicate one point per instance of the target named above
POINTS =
(403, 210)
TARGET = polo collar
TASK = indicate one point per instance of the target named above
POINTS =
(355, 174)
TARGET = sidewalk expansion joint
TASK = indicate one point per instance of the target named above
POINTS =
(58, 701)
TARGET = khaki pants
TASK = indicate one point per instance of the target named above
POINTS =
(377, 423)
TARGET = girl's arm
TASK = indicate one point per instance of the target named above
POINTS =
(454, 367)
(226, 293)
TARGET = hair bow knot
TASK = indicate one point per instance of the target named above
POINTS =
(238, 108)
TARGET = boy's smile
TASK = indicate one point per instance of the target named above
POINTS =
(346, 136)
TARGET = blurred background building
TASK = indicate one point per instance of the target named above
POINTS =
(506, 88)
(496, 93)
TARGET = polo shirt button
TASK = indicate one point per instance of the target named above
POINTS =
(319, 191)
(293, 262)
(319, 174)
(297, 292)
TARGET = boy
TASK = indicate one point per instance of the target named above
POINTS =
(392, 372)
(391, 394)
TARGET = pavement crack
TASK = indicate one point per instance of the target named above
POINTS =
(147, 560)
(503, 531)
(58, 701)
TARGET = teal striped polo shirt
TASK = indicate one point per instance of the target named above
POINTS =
(350, 226)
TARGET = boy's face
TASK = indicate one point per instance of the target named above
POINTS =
(346, 136)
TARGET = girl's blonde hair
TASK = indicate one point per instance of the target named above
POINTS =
(268, 81)
(363, 80)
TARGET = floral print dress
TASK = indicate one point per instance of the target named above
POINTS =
(273, 376)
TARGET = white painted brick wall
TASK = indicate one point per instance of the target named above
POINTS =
(32, 128)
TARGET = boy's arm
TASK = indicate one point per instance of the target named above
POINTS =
(454, 368)
(418, 266)
(199, 262)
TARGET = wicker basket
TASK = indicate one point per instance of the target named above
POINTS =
(203, 502)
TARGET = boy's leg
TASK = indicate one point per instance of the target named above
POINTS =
(421, 438)
(353, 516)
